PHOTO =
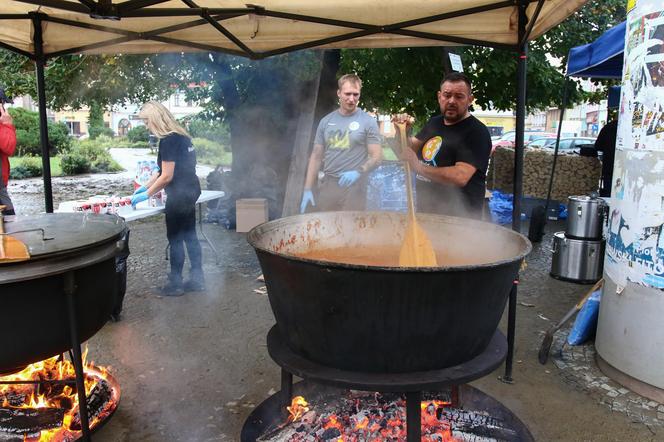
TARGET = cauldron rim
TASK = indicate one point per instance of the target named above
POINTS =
(253, 237)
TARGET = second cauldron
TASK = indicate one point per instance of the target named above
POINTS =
(381, 317)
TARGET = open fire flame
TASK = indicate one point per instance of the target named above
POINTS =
(297, 408)
(56, 396)
(355, 428)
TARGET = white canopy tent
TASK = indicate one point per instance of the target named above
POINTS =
(40, 29)
(269, 27)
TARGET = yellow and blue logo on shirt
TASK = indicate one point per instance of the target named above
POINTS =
(431, 149)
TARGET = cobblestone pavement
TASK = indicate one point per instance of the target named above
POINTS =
(578, 368)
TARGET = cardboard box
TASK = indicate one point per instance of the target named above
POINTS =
(250, 212)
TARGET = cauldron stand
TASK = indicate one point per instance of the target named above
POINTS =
(76, 357)
(412, 384)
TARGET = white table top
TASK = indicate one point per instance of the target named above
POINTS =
(143, 209)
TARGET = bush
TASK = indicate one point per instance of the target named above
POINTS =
(28, 142)
(124, 142)
(74, 163)
(210, 130)
(138, 134)
(209, 152)
(90, 156)
(30, 167)
(95, 131)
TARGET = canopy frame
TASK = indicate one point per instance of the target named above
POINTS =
(212, 16)
(105, 9)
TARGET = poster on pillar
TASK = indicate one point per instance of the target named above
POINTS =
(635, 238)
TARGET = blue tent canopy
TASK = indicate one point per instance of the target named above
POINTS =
(602, 58)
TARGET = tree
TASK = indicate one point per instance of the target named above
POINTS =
(407, 79)
(27, 134)
(86, 80)
(258, 100)
(96, 125)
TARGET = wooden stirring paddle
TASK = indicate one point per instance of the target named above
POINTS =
(11, 249)
(416, 249)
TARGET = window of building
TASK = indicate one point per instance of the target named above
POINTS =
(74, 127)
(177, 99)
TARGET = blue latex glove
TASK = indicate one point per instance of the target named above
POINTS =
(307, 197)
(140, 190)
(348, 178)
(137, 198)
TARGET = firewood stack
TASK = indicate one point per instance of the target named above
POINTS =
(575, 174)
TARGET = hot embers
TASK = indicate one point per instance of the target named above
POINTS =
(356, 416)
(36, 406)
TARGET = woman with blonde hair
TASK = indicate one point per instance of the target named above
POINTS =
(177, 175)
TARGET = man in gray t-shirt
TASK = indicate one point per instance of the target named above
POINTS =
(348, 146)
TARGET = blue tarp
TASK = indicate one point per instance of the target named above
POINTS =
(602, 58)
(501, 204)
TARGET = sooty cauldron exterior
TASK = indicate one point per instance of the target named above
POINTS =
(387, 319)
(34, 320)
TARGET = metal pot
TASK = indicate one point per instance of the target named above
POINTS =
(65, 248)
(585, 217)
(577, 260)
(381, 318)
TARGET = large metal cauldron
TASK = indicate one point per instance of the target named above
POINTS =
(387, 319)
(34, 319)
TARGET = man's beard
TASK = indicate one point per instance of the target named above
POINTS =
(452, 118)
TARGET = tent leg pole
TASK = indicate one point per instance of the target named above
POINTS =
(518, 175)
(511, 329)
(520, 119)
(555, 150)
(40, 62)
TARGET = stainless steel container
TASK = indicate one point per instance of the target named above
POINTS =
(578, 260)
(585, 217)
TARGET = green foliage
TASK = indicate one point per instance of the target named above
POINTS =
(31, 168)
(28, 167)
(96, 115)
(138, 134)
(96, 125)
(27, 133)
(79, 80)
(123, 142)
(89, 156)
(210, 152)
(213, 130)
(406, 80)
(96, 131)
(74, 163)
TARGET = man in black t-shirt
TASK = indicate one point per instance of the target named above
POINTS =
(450, 154)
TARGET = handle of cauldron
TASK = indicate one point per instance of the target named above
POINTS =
(36, 229)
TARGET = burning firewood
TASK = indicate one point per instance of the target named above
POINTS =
(30, 420)
(12, 398)
(96, 400)
(362, 416)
